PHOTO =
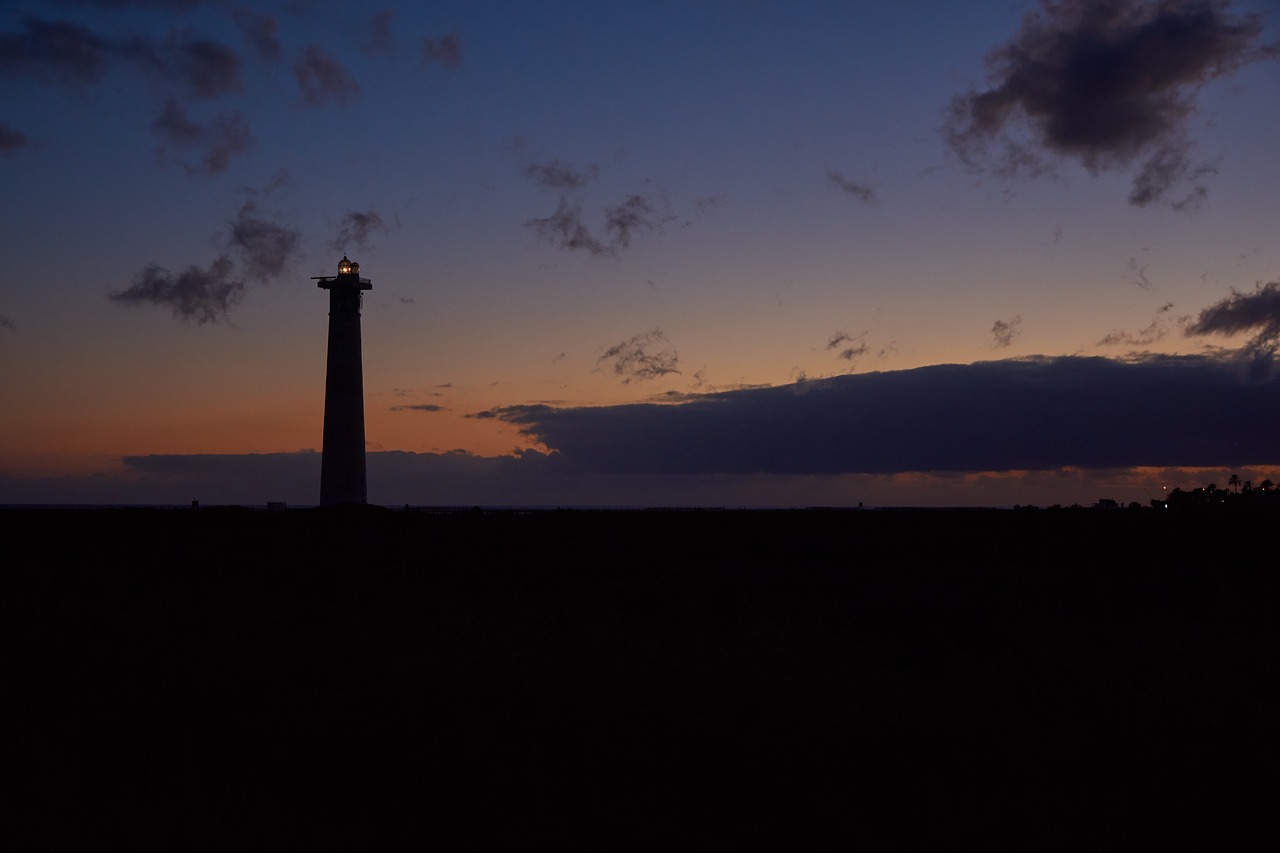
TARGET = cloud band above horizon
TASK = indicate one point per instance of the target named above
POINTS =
(1020, 414)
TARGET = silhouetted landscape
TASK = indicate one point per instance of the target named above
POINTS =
(332, 677)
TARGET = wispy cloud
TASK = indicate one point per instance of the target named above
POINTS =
(642, 357)
(1107, 85)
(1004, 331)
(559, 175)
(6, 323)
(424, 407)
(207, 68)
(862, 192)
(378, 40)
(565, 228)
(1155, 331)
(322, 79)
(265, 247)
(635, 213)
(202, 295)
(445, 51)
(259, 32)
(356, 228)
(847, 346)
(55, 52)
(216, 143)
(67, 53)
(12, 140)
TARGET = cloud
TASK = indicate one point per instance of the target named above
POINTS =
(561, 175)
(851, 352)
(425, 407)
(6, 323)
(1017, 414)
(1156, 330)
(445, 51)
(1105, 84)
(1137, 274)
(706, 204)
(225, 136)
(1004, 331)
(862, 192)
(379, 40)
(205, 296)
(70, 54)
(636, 358)
(12, 140)
(54, 51)
(635, 213)
(566, 229)
(1257, 312)
(355, 229)
(321, 78)
(265, 248)
(259, 32)
(209, 69)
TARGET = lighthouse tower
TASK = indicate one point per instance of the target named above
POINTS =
(342, 477)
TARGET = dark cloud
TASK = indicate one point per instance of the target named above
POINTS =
(1004, 331)
(280, 180)
(1257, 312)
(205, 296)
(12, 140)
(218, 141)
(265, 247)
(566, 229)
(6, 323)
(1137, 274)
(259, 33)
(709, 203)
(321, 78)
(1156, 330)
(1106, 84)
(848, 353)
(862, 192)
(378, 41)
(55, 51)
(71, 54)
(1018, 414)
(425, 407)
(445, 51)
(1169, 171)
(356, 228)
(635, 213)
(209, 69)
(561, 175)
(641, 357)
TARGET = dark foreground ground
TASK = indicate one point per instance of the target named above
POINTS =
(227, 678)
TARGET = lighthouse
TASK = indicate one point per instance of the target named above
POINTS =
(342, 474)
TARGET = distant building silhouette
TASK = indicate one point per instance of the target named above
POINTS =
(342, 471)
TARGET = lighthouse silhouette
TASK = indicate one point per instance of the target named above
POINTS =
(342, 473)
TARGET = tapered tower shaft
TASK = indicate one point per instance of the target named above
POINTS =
(342, 468)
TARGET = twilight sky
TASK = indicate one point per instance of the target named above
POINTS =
(677, 253)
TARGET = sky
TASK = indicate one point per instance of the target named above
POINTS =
(705, 252)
